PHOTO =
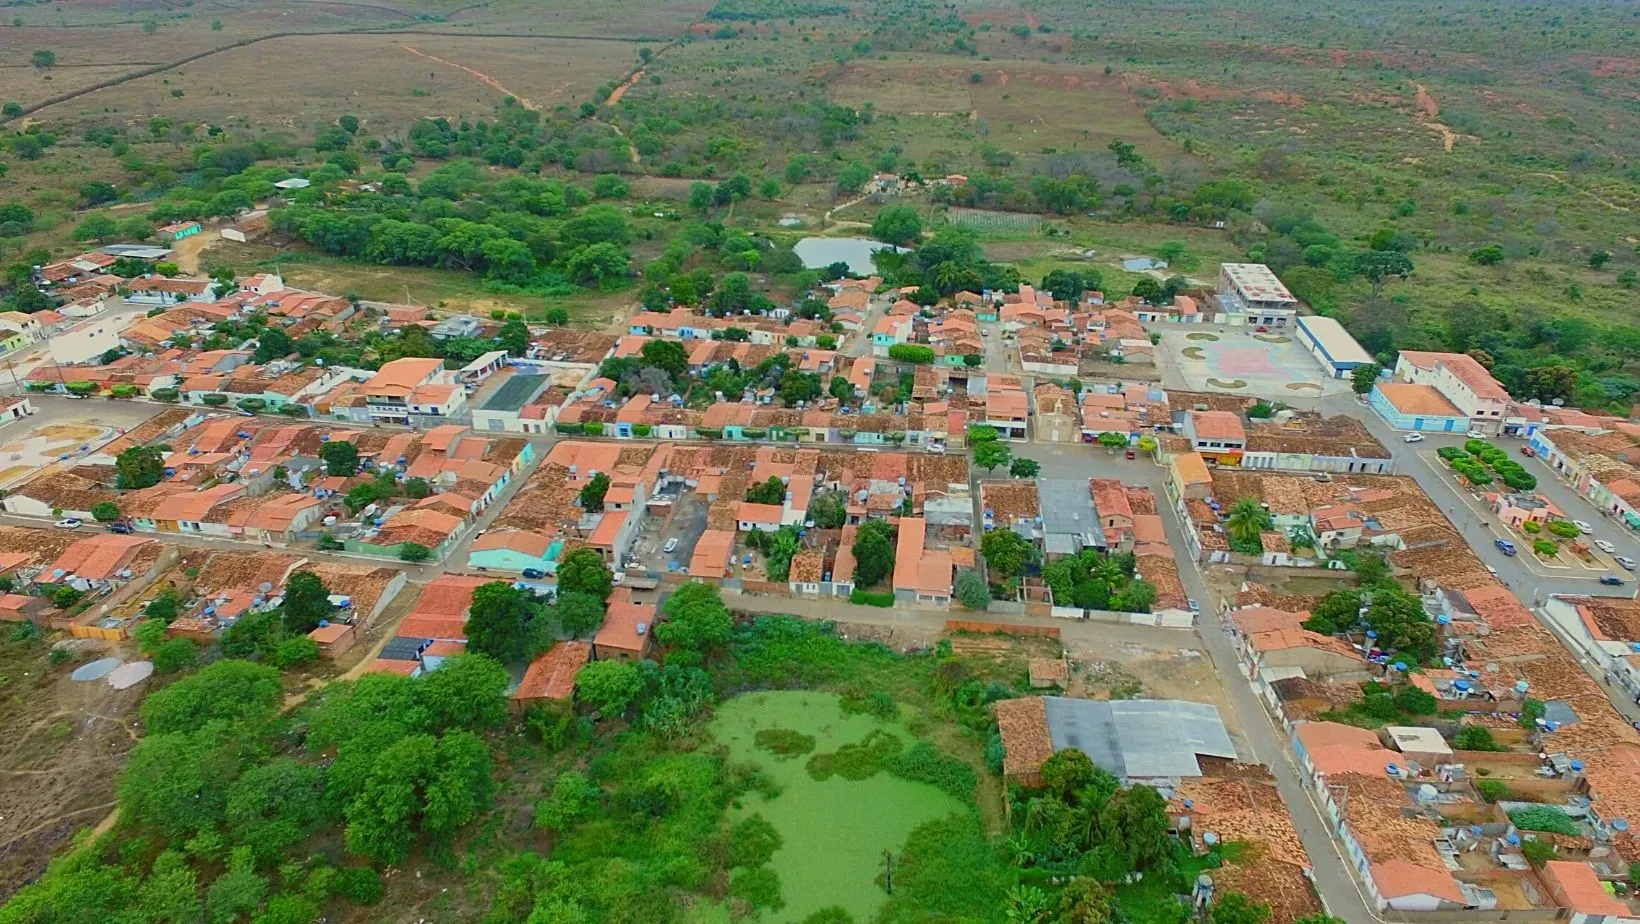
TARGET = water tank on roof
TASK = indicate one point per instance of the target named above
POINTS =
(1521, 686)
(324, 437)
(323, 623)
(265, 587)
(1392, 769)
(1189, 803)
(1443, 619)
(1577, 767)
(642, 628)
(1514, 840)
(1371, 634)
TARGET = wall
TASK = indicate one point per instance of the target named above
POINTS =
(1001, 628)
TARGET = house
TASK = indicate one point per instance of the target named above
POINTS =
(164, 290)
(514, 551)
(921, 575)
(1516, 509)
(1305, 442)
(1217, 435)
(1251, 295)
(1412, 406)
(177, 231)
(334, 638)
(98, 560)
(1058, 417)
(551, 677)
(625, 634)
(88, 340)
(1462, 381)
(413, 392)
(1574, 885)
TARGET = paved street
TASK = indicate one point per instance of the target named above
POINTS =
(1333, 878)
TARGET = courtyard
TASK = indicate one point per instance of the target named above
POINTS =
(1243, 361)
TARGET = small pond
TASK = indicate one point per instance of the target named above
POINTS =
(821, 252)
(1141, 264)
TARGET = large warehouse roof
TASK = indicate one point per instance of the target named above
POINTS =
(1139, 738)
(1335, 341)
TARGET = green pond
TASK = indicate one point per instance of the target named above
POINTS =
(833, 833)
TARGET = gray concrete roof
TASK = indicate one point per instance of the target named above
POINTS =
(1139, 738)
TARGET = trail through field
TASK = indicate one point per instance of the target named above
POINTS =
(1432, 109)
(620, 91)
(482, 77)
(838, 208)
(1595, 196)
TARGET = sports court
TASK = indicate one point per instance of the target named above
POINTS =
(1243, 361)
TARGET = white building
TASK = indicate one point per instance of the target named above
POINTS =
(89, 339)
(1250, 294)
(1332, 346)
(1461, 380)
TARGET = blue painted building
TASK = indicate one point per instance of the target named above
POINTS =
(1416, 407)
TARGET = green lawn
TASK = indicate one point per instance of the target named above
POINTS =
(834, 832)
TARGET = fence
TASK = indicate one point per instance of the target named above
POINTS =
(1166, 619)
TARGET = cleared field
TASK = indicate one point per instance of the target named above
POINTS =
(383, 79)
(1026, 107)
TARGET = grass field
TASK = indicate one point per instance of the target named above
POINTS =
(834, 832)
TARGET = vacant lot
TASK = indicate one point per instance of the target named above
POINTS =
(386, 80)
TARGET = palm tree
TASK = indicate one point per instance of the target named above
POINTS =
(1247, 519)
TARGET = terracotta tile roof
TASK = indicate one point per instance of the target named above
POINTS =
(448, 595)
(552, 676)
(1422, 400)
(97, 558)
(419, 626)
(1399, 878)
(1025, 739)
(621, 621)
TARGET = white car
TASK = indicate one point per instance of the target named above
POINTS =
(1413, 438)
(1586, 528)
(1605, 546)
(1477, 434)
(671, 545)
(1625, 561)
(70, 523)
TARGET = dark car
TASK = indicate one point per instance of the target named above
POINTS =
(120, 528)
(1504, 546)
(534, 574)
(1611, 580)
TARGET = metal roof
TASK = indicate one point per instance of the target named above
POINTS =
(515, 392)
(1139, 738)
(1068, 517)
(137, 251)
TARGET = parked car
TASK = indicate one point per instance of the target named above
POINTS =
(69, 523)
(1605, 546)
(1130, 454)
(1625, 561)
(122, 528)
(670, 546)
(935, 449)
(534, 574)
(1528, 451)
(1413, 438)
(1504, 546)
(1585, 527)
(1194, 606)
(1611, 580)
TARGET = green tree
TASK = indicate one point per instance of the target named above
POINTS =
(696, 621)
(1489, 255)
(1112, 440)
(231, 691)
(1236, 908)
(499, 623)
(43, 59)
(1085, 901)
(574, 799)
(341, 458)
(306, 602)
(991, 455)
(700, 196)
(982, 433)
(772, 491)
(1025, 468)
(1246, 521)
(829, 509)
(1007, 553)
(970, 590)
(914, 353)
(592, 493)
(419, 784)
(1378, 265)
(1600, 258)
(139, 467)
(609, 687)
(414, 552)
(1363, 378)
(897, 224)
(873, 552)
(98, 227)
(515, 337)
(579, 613)
(584, 570)
(105, 512)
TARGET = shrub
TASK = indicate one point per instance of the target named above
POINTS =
(922, 764)
(1537, 852)
(1492, 790)
(1531, 527)
(1544, 818)
(783, 742)
(883, 599)
(1475, 738)
(358, 884)
(1565, 529)
(759, 888)
(1411, 700)
(1544, 548)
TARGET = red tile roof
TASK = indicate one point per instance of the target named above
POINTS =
(552, 676)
